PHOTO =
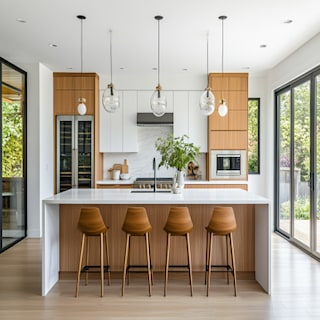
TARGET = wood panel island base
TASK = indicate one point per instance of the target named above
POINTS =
(61, 238)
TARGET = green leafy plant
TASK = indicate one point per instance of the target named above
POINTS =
(176, 152)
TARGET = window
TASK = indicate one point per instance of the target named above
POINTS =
(254, 135)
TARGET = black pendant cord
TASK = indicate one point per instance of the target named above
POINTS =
(111, 54)
(222, 18)
(159, 51)
(208, 64)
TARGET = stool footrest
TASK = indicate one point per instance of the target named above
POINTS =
(135, 266)
(90, 267)
(228, 267)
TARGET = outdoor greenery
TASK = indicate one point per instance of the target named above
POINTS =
(176, 152)
(298, 130)
(253, 135)
(12, 140)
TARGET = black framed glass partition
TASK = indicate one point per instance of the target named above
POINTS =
(298, 161)
(13, 214)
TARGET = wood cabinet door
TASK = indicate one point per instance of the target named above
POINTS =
(228, 140)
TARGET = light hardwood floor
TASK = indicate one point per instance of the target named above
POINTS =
(295, 295)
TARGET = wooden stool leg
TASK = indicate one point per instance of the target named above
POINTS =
(207, 258)
(233, 264)
(210, 235)
(107, 257)
(101, 265)
(167, 263)
(189, 263)
(125, 262)
(128, 261)
(227, 257)
(80, 264)
(149, 235)
(87, 257)
(148, 261)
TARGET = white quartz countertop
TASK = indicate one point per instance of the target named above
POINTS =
(125, 196)
(131, 180)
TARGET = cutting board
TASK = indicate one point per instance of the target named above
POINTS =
(125, 167)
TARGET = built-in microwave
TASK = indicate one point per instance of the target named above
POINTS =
(228, 164)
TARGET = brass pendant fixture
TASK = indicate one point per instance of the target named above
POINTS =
(110, 98)
(82, 108)
(158, 100)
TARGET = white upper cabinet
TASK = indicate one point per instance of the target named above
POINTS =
(144, 98)
(188, 118)
(118, 131)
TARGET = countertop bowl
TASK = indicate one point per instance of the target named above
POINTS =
(125, 176)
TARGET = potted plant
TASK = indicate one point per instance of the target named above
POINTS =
(176, 153)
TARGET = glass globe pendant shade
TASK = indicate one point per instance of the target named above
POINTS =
(223, 109)
(207, 102)
(82, 109)
(110, 99)
(158, 103)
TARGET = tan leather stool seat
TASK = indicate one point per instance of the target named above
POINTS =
(222, 223)
(179, 223)
(137, 223)
(91, 224)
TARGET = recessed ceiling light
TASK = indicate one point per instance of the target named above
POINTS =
(263, 45)
(287, 21)
(21, 20)
(184, 69)
(52, 45)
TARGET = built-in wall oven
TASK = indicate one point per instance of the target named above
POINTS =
(228, 164)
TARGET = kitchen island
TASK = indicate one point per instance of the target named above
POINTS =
(61, 239)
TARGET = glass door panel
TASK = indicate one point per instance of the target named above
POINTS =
(65, 155)
(301, 161)
(85, 154)
(317, 214)
(284, 218)
(13, 104)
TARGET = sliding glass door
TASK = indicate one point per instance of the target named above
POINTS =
(13, 154)
(298, 161)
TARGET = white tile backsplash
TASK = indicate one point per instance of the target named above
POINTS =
(140, 163)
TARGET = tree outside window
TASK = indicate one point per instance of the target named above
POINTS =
(254, 136)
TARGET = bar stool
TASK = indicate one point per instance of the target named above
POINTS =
(91, 225)
(222, 223)
(179, 223)
(136, 223)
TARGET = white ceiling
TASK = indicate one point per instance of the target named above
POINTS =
(186, 23)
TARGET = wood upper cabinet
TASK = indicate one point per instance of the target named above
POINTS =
(69, 87)
(229, 132)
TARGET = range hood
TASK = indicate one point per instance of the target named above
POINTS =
(150, 120)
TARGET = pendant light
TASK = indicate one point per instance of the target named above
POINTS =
(207, 99)
(82, 109)
(158, 100)
(223, 108)
(110, 98)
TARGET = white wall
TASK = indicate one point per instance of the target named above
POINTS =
(46, 139)
(33, 148)
(39, 141)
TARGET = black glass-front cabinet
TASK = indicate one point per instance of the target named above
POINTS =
(74, 152)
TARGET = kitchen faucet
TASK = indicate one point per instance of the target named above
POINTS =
(154, 174)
